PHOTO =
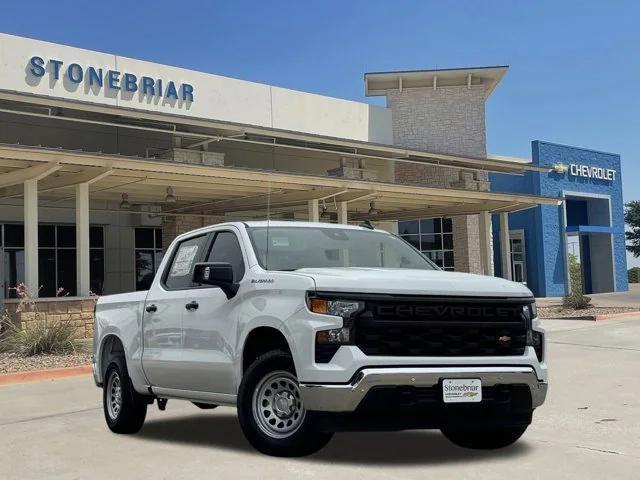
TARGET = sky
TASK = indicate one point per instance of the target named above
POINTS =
(574, 74)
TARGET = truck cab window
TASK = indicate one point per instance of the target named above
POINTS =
(227, 249)
(186, 254)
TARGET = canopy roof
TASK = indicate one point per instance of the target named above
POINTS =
(246, 193)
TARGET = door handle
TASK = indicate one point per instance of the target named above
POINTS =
(193, 305)
(151, 308)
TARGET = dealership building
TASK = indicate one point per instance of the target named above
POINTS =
(105, 159)
(588, 226)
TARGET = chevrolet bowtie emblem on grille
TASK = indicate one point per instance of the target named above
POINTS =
(504, 339)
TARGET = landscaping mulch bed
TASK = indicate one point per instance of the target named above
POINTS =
(11, 362)
(558, 311)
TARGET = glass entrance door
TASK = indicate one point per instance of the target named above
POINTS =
(518, 264)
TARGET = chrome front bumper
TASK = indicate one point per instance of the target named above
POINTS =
(347, 397)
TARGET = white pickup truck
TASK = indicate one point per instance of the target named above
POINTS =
(311, 328)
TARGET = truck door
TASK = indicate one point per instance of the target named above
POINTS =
(163, 312)
(209, 326)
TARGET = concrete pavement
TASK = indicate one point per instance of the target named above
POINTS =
(589, 428)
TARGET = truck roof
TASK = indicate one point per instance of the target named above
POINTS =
(280, 223)
(303, 224)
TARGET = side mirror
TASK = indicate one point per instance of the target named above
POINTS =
(219, 274)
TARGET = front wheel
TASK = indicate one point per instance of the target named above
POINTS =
(484, 438)
(124, 409)
(271, 411)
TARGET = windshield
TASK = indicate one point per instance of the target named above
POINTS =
(291, 248)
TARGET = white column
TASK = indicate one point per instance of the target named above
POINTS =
(314, 211)
(342, 213)
(505, 246)
(486, 253)
(82, 239)
(31, 237)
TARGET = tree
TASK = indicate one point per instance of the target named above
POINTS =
(632, 219)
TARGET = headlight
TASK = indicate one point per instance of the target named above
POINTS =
(329, 341)
(338, 308)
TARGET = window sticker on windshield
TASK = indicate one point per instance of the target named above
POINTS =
(184, 259)
(280, 241)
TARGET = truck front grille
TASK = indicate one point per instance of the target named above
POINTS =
(442, 327)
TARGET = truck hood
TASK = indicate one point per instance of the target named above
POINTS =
(412, 282)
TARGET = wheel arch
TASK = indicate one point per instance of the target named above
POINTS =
(110, 346)
(260, 340)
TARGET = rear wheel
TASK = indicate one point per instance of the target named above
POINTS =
(484, 438)
(271, 411)
(124, 408)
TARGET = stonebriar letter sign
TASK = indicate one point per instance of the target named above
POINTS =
(113, 80)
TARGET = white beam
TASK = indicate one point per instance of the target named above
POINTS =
(61, 181)
(469, 81)
(354, 196)
(82, 239)
(342, 213)
(31, 237)
(37, 172)
(486, 253)
(505, 246)
(435, 82)
(285, 199)
(314, 211)
(203, 143)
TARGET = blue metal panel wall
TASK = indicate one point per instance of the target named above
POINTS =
(543, 226)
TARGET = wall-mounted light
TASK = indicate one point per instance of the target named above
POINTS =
(124, 204)
(170, 197)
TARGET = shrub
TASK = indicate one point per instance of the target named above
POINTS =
(577, 302)
(38, 336)
(6, 327)
(633, 274)
(576, 299)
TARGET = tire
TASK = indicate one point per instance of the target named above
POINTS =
(205, 406)
(287, 430)
(124, 413)
(484, 438)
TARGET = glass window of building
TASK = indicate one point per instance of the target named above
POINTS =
(56, 259)
(148, 246)
(433, 237)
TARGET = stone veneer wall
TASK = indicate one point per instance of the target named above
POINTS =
(78, 311)
(177, 225)
(448, 120)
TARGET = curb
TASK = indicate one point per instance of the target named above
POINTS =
(598, 318)
(614, 316)
(42, 375)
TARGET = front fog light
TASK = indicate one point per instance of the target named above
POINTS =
(334, 336)
(535, 340)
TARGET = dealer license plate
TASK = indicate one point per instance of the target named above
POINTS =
(461, 390)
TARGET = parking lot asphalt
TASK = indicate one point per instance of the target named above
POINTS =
(588, 429)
